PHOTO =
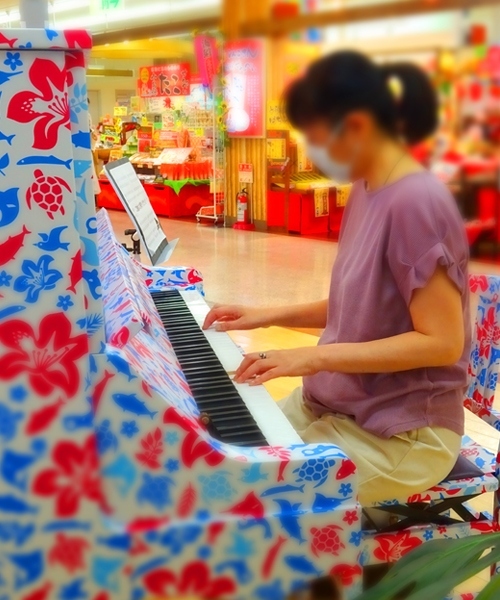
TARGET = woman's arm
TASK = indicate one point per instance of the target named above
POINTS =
(229, 318)
(437, 341)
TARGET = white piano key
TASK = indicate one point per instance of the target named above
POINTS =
(272, 422)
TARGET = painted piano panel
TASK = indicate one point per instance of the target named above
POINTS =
(110, 486)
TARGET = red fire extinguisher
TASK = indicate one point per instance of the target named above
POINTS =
(243, 211)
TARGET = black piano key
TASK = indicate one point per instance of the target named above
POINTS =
(226, 414)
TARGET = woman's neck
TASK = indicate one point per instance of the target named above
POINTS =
(391, 162)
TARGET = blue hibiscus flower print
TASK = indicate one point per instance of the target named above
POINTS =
(172, 465)
(171, 438)
(27, 46)
(356, 537)
(64, 302)
(37, 277)
(13, 60)
(345, 489)
(5, 279)
(129, 429)
(428, 535)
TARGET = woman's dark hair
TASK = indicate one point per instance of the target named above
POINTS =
(345, 81)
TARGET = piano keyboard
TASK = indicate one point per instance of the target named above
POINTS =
(234, 413)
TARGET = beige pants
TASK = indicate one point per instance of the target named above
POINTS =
(388, 469)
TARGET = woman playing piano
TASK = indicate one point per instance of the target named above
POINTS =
(386, 381)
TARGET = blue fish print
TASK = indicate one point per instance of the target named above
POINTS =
(322, 503)
(272, 591)
(302, 565)
(283, 489)
(5, 76)
(29, 567)
(290, 519)
(123, 470)
(268, 533)
(9, 206)
(11, 310)
(81, 167)
(51, 34)
(67, 526)
(44, 160)
(93, 281)
(13, 468)
(105, 572)
(81, 139)
(90, 255)
(240, 569)
(73, 591)
(253, 474)
(120, 364)
(18, 533)
(131, 403)
(13, 505)
(116, 542)
(74, 422)
(52, 241)
(4, 162)
(6, 138)
(8, 423)
(82, 193)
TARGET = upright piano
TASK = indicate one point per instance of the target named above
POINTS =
(131, 465)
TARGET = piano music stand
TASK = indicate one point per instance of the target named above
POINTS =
(132, 194)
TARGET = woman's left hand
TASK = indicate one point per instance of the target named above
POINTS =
(258, 368)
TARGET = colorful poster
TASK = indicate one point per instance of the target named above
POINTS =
(205, 48)
(164, 80)
(244, 72)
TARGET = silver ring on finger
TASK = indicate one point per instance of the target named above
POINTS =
(263, 355)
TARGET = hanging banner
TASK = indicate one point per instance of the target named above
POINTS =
(321, 208)
(244, 71)
(205, 49)
(164, 80)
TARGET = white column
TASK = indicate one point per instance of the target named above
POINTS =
(34, 13)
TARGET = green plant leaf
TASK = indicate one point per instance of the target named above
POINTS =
(433, 569)
(492, 590)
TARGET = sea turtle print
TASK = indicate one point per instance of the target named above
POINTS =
(216, 486)
(47, 192)
(326, 540)
(314, 470)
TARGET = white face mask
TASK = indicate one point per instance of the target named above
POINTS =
(320, 156)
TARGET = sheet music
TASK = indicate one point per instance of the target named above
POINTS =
(131, 192)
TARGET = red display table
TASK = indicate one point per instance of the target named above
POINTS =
(301, 213)
(164, 200)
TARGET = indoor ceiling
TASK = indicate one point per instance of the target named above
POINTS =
(88, 14)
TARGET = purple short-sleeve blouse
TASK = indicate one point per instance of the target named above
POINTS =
(391, 242)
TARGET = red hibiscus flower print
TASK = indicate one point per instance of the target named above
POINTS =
(478, 282)
(488, 333)
(194, 580)
(69, 552)
(351, 516)
(49, 107)
(346, 574)
(73, 477)
(48, 358)
(392, 547)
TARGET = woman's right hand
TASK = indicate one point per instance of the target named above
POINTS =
(233, 317)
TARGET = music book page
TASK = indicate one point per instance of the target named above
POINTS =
(133, 196)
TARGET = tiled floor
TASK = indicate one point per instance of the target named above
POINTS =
(264, 269)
